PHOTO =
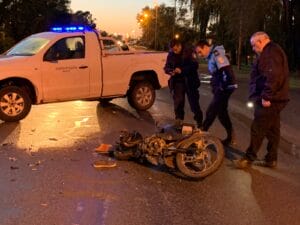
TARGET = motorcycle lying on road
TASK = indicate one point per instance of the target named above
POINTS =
(196, 154)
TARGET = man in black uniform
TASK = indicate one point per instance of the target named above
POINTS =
(269, 92)
(223, 84)
(183, 80)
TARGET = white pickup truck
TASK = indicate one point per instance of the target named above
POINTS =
(73, 63)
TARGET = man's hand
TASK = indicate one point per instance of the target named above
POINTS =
(172, 73)
(265, 103)
(177, 70)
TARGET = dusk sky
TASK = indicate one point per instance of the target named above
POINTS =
(116, 16)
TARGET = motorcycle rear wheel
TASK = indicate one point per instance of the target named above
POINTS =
(203, 157)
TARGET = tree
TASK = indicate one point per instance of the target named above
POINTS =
(160, 23)
(83, 18)
(296, 28)
(20, 18)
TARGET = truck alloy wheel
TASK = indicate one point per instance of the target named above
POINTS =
(141, 96)
(15, 104)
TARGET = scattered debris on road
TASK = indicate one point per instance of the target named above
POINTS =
(104, 164)
(13, 159)
(14, 168)
(103, 148)
(53, 139)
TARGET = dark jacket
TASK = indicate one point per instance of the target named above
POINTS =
(190, 72)
(173, 61)
(269, 75)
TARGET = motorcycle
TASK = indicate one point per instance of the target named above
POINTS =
(196, 154)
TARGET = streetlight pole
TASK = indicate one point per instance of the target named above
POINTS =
(174, 18)
(155, 33)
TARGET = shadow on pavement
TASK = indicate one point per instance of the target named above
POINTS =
(110, 111)
(232, 152)
(6, 129)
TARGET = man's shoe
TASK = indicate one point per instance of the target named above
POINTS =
(229, 142)
(200, 126)
(242, 163)
(264, 163)
(178, 122)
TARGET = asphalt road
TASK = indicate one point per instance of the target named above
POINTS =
(47, 178)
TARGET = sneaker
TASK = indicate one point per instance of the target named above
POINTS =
(263, 163)
(241, 163)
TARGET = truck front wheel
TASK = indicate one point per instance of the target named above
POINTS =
(141, 95)
(15, 104)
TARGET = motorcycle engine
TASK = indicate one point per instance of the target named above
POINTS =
(152, 146)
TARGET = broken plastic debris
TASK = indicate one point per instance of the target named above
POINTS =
(14, 167)
(53, 139)
(104, 164)
(13, 159)
(103, 148)
(7, 144)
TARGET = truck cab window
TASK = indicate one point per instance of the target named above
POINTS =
(66, 48)
(110, 46)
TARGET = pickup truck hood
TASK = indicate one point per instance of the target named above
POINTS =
(9, 60)
(15, 66)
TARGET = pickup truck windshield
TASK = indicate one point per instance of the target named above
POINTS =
(29, 46)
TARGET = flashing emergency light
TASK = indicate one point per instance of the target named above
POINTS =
(70, 29)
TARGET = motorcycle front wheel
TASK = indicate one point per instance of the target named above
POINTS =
(203, 156)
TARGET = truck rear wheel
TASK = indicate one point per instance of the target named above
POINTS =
(141, 95)
(15, 104)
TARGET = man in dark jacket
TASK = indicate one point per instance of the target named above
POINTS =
(183, 80)
(269, 93)
(223, 84)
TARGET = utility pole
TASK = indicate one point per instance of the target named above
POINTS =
(174, 24)
(155, 33)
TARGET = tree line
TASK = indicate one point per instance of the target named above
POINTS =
(20, 18)
(227, 22)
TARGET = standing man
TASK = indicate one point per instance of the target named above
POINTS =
(184, 79)
(269, 92)
(223, 84)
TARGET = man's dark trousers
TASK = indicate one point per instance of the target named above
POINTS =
(178, 91)
(193, 98)
(266, 123)
(219, 107)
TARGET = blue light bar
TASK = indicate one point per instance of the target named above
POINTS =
(70, 29)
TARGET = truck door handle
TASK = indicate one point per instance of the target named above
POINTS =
(83, 67)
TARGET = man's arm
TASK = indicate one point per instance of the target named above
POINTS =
(169, 66)
(271, 67)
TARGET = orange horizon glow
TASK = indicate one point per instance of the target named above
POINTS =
(112, 17)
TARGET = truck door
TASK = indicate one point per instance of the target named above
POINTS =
(65, 70)
(115, 64)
